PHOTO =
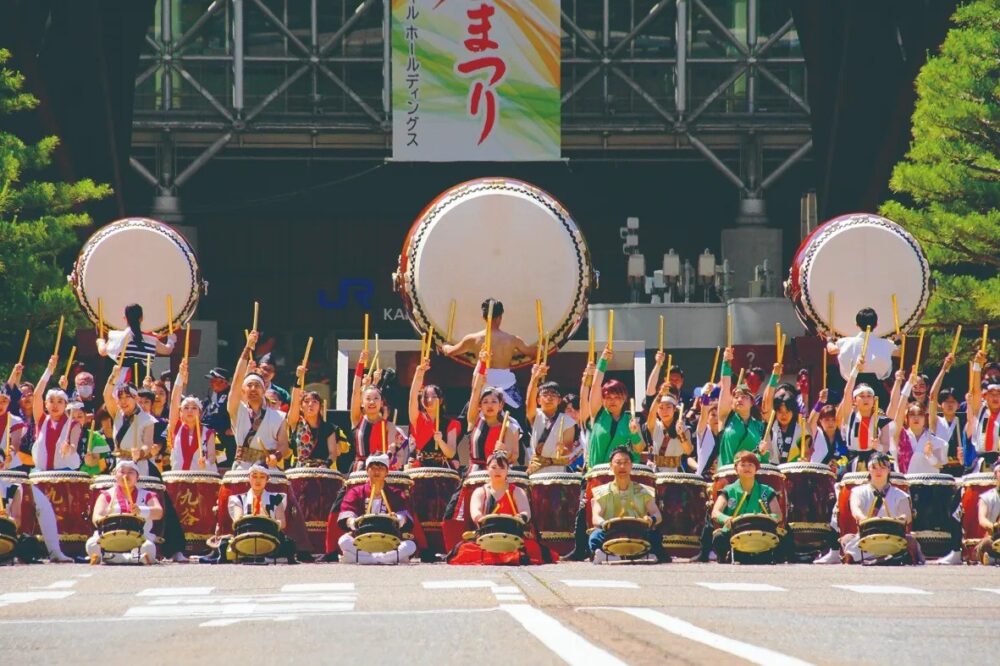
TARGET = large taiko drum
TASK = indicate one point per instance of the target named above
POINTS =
(811, 499)
(236, 482)
(194, 495)
(128, 247)
(316, 488)
(69, 495)
(439, 266)
(769, 475)
(682, 500)
(27, 500)
(432, 488)
(598, 475)
(864, 260)
(934, 498)
(555, 499)
(842, 518)
(973, 487)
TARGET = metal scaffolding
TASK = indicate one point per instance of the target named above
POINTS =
(641, 79)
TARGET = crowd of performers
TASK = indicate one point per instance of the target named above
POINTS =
(133, 436)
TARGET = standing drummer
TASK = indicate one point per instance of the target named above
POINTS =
(553, 437)
(624, 498)
(744, 496)
(139, 346)
(740, 428)
(375, 497)
(878, 361)
(983, 425)
(260, 431)
(125, 497)
(133, 428)
(989, 516)
(864, 431)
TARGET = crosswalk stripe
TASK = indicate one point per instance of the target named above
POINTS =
(881, 589)
(743, 587)
(570, 646)
(610, 584)
(318, 587)
(174, 591)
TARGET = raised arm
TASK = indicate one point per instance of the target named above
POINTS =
(586, 386)
(295, 401)
(975, 393)
(595, 401)
(478, 384)
(813, 421)
(847, 400)
(38, 399)
(898, 411)
(357, 386)
(726, 387)
(180, 385)
(703, 411)
(109, 391)
(899, 393)
(239, 374)
(654, 374)
(166, 348)
(767, 399)
(531, 401)
(416, 386)
(466, 344)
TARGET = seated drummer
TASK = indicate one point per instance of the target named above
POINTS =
(623, 498)
(125, 497)
(879, 499)
(989, 516)
(499, 496)
(744, 496)
(258, 501)
(375, 496)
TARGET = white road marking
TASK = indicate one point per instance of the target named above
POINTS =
(220, 623)
(568, 645)
(678, 627)
(994, 590)
(238, 610)
(506, 589)
(318, 587)
(457, 584)
(174, 591)
(10, 598)
(612, 584)
(882, 589)
(255, 598)
(59, 585)
(743, 587)
(510, 597)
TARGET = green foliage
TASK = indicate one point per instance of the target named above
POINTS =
(38, 227)
(949, 182)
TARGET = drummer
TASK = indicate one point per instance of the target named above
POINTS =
(432, 447)
(138, 345)
(373, 432)
(606, 410)
(877, 365)
(499, 496)
(786, 431)
(879, 499)
(125, 497)
(260, 432)
(740, 429)
(375, 497)
(133, 428)
(915, 448)
(624, 498)
(317, 442)
(504, 347)
(193, 445)
(948, 426)
(552, 440)
(828, 439)
(92, 447)
(707, 431)
(9, 449)
(744, 496)
(863, 431)
(259, 501)
(487, 421)
(989, 517)
(983, 426)
(666, 433)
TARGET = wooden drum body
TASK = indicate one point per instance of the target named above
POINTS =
(69, 494)
(934, 501)
(812, 497)
(433, 487)
(555, 499)
(315, 489)
(973, 486)
(682, 500)
(194, 495)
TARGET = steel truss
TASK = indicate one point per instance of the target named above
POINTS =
(641, 79)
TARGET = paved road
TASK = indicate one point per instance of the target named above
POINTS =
(438, 614)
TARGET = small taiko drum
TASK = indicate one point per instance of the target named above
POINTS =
(599, 475)
(863, 260)
(812, 496)
(754, 533)
(121, 533)
(843, 518)
(316, 489)
(500, 533)
(103, 482)
(476, 479)
(8, 538)
(769, 475)
(377, 532)
(69, 495)
(124, 247)
(682, 501)
(882, 537)
(626, 537)
(436, 269)
(194, 495)
(255, 536)
(934, 498)
(27, 499)
(433, 487)
(973, 486)
(236, 482)
(555, 499)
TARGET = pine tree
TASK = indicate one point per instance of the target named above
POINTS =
(949, 181)
(38, 228)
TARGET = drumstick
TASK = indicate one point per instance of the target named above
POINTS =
(729, 329)
(661, 338)
(545, 350)
(69, 361)
(326, 405)
(62, 320)
(170, 314)
(187, 339)
(864, 346)
(825, 363)
(895, 314)
(135, 371)
(954, 343)
(631, 402)
(121, 354)
(777, 341)
(715, 364)
(538, 318)
(24, 346)
(920, 347)
(100, 317)
(670, 364)
(437, 415)
(6, 438)
(829, 307)
(385, 437)
(149, 365)
(986, 332)
(305, 363)
(375, 361)
(489, 333)
(366, 332)
(802, 438)
(781, 348)
(739, 380)
(611, 329)
(128, 492)
(902, 351)
(451, 319)
(197, 439)
(590, 347)
(256, 314)
(503, 429)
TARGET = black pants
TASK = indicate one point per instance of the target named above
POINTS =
(721, 543)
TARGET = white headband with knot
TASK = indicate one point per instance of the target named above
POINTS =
(861, 390)
(253, 377)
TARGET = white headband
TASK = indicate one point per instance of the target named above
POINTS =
(669, 398)
(257, 468)
(253, 377)
(192, 399)
(993, 387)
(127, 464)
(56, 393)
(861, 390)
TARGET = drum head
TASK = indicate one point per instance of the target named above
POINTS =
(754, 541)
(467, 247)
(376, 542)
(120, 541)
(863, 259)
(498, 542)
(254, 544)
(996, 546)
(6, 545)
(626, 547)
(882, 545)
(129, 247)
